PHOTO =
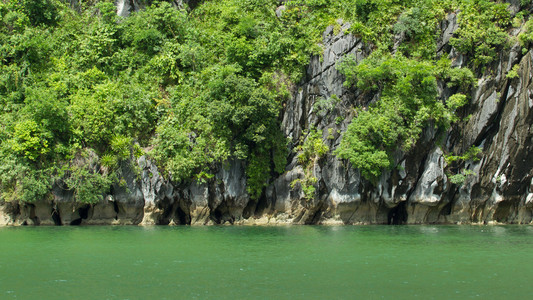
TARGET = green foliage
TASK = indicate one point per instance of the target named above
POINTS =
(121, 149)
(147, 31)
(458, 179)
(526, 36)
(110, 108)
(230, 115)
(21, 13)
(472, 154)
(461, 78)
(84, 179)
(481, 32)
(307, 184)
(186, 151)
(19, 180)
(324, 106)
(417, 26)
(456, 101)
(34, 186)
(257, 179)
(206, 86)
(310, 150)
(29, 140)
(457, 161)
(408, 103)
(64, 88)
(461, 177)
(513, 73)
(406, 81)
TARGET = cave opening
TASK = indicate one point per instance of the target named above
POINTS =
(249, 209)
(83, 212)
(398, 214)
(217, 216)
(222, 214)
(56, 217)
(182, 217)
(503, 211)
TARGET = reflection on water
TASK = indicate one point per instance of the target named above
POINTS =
(286, 262)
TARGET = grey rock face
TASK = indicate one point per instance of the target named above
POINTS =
(126, 7)
(448, 27)
(280, 10)
(497, 188)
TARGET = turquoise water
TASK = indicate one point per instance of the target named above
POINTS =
(298, 262)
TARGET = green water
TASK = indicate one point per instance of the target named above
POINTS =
(299, 262)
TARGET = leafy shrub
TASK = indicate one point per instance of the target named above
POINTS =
(324, 106)
(481, 30)
(310, 151)
(513, 73)
(233, 116)
(472, 154)
(458, 179)
(408, 103)
(526, 37)
(29, 140)
(456, 161)
(85, 180)
(456, 101)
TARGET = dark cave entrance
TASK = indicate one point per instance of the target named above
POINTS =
(84, 214)
(398, 214)
(56, 217)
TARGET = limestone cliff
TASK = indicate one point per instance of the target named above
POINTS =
(497, 188)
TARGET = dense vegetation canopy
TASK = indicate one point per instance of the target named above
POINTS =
(83, 91)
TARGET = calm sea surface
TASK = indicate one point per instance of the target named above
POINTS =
(298, 262)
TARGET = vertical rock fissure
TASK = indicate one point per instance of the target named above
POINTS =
(55, 216)
(494, 125)
(115, 208)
